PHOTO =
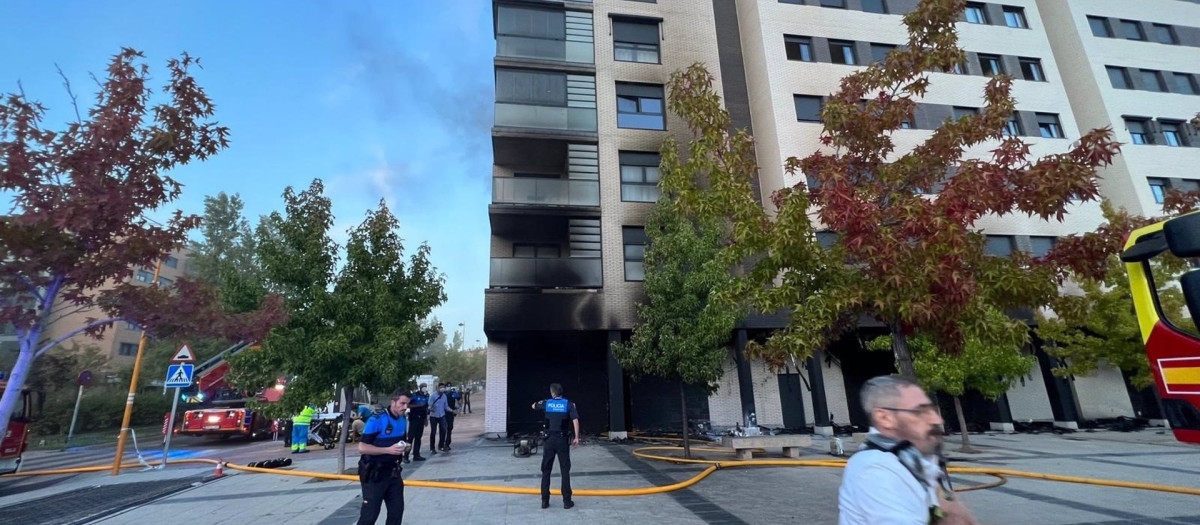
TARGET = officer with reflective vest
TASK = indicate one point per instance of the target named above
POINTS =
(383, 445)
(561, 418)
(300, 430)
(418, 414)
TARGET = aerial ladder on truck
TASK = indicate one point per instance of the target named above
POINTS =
(224, 411)
(1174, 351)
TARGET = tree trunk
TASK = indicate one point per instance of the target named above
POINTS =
(962, 426)
(904, 361)
(346, 395)
(687, 445)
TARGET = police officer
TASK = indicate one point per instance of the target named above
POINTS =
(382, 446)
(418, 414)
(453, 405)
(561, 418)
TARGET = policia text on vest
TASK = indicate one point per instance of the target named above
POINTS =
(561, 418)
(383, 446)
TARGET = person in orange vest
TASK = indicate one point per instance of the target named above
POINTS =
(300, 430)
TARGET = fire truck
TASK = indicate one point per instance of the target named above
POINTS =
(223, 410)
(16, 435)
(1173, 350)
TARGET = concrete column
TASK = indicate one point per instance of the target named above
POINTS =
(745, 379)
(816, 379)
(1063, 404)
(616, 391)
(1004, 415)
(495, 420)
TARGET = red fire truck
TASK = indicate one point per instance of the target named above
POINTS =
(223, 410)
(16, 436)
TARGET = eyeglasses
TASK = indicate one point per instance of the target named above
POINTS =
(923, 410)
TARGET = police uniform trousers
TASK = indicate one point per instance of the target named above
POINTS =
(416, 428)
(381, 488)
(556, 444)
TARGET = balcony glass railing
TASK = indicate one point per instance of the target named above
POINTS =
(546, 117)
(511, 272)
(543, 49)
(550, 192)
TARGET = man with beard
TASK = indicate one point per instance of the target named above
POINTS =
(899, 476)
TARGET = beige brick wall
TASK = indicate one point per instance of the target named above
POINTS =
(725, 405)
(495, 420)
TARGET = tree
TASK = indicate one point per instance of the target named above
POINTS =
(226, 257)
(79, 202)
(683, 327)
(365, 327)
(907, 250)
(991, 362)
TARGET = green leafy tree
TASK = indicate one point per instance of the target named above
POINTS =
(991, 362)
(366, 327)
(226, 256)
(683, 327)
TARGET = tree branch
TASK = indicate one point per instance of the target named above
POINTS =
(74, 99)
(76, 332)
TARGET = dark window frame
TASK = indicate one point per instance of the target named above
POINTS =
(1141, 135)
(978, 8)
(537, 250)
(1055, 128)
(800, 44)
(1034, 241)
(529, 101)
(1176, 131)
(1108, 30)
(887, 48)
(836, 4)
(842, 46)
(638, 159)
(1036, 69)
(1126, 25)
(1193, 88)
(1172, 38)
(796, 103)
(127, 349)
(1158, 188)
(1124, 76)
(1019, 15)
(171, 262)
(985, 59)
(1012, 128)
(630, 235)
(992, 247)
(640, 101)
(882, 6)
(964, 111)
(619, 42)
(1160, 84)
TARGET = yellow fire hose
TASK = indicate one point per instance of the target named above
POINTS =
(713, 466)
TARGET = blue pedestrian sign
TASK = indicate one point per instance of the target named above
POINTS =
(179, 376)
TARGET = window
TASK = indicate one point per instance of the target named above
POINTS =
(634, 240)
(1048, 125)
(798, 48)
(535, 251)
(640, 106)
(535, 88)
(808, 108)
(1031, 69)
(991, 65)
(827, 240)
(164, 282)
(875, 6)
(879, 51)
(1158, 188)
(1137, 131)
(1186, 185)
(1153, 80)
(1100, 27)
(1012, 128)
(906, 123)
(531, 23)
(635, 40)
(960, 112)
(1185, 83)
(127, 349)
(1015, 17)
(1170, 132)
(1040, 245)
(1132, 30)
(1119, 77)
(144, 276)
(833, 3)
(1164, 34)
(842, 52)
(639, 176)
(956, 69)
(976, 13)
(171, 262)
(999, 245)
(133, 326)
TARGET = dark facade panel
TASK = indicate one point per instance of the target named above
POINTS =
(577, 361)
(513, 311)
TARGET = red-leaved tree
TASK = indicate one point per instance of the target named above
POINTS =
(78, 225)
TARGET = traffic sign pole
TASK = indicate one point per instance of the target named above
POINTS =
(74, 415)
(170, 429)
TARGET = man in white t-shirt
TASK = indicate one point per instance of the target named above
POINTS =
(897, 478)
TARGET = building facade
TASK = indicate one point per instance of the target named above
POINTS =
(120, 341)
(580, 114)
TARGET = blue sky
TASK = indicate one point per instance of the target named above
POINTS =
(379, 99)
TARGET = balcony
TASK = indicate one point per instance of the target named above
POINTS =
(545, 192)
(511, 272)
(555, 118)
(529, 48)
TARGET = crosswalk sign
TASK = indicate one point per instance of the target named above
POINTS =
(179, 376)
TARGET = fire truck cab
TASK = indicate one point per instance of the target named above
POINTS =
(16, 435)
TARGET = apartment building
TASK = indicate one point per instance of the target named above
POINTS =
(580, 114)
(120, 341)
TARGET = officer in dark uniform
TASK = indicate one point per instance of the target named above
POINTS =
(418, 414)
(383, 445)
(561, 419)
(453, 399)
